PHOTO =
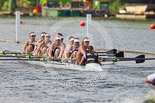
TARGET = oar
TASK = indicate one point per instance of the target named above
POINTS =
(30, 59)
(8, 52)
(119, 54)
(21, 56)
(138, 59)
(112, 51)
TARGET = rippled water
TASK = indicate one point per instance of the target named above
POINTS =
(120, 83)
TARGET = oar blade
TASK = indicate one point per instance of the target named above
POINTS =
(112, 51)
(119, 54)
(140, 59)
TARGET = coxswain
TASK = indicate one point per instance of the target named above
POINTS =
(91, 57)
(150, 79)
(30, 44)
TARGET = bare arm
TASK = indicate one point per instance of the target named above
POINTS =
(147, 81)
(50, 50)
(64, 45)
(82, 50)
(61, 51)
(99, 61)
(67, 52)
(82, 60)
(25, 45)
(39, 46)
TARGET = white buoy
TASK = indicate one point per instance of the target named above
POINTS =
(17, 25)
(89, 19)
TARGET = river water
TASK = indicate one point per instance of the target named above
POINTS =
(123, 82)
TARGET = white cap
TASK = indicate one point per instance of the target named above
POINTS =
(76, 40)
(62, 37)
(86, 39)
(71, 39)
(58, 38)
(32, 34)
(48, 35)
(43, 34)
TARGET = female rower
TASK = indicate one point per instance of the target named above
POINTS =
(91, 57)
(44, 45)
(42, 38)
(74, 49)
(66, 55)
(30, 44)
(82, 50)
(150, 79)
(56, 49)
(62, 38)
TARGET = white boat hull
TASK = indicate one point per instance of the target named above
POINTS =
(87, 67)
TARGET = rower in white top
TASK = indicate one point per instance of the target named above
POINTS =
(66, 55)
(73, 50)
(44, 45)
(56, 49)
(42, 38)
(30, 44)
(62, 38)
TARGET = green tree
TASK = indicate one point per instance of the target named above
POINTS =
(64, 1)
(5, 5)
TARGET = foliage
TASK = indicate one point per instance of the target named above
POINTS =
(23, 3)
(5, 5)
(115, 6)
(64, 1)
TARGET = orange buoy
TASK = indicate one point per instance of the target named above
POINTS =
(141, 12)
(35, 11)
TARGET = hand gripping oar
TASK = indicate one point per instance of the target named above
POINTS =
(138, 59)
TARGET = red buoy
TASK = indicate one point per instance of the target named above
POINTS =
(38, 8)
(152, 26)
(21, 22)
(82, 23)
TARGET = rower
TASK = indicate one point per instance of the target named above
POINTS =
(56, 49)
(44, 45)
(82, 50)
(30, 44)
(42, 37)
(62, 38)
(91, 57)
(74, 49)
(150, 79)
(67, 55)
